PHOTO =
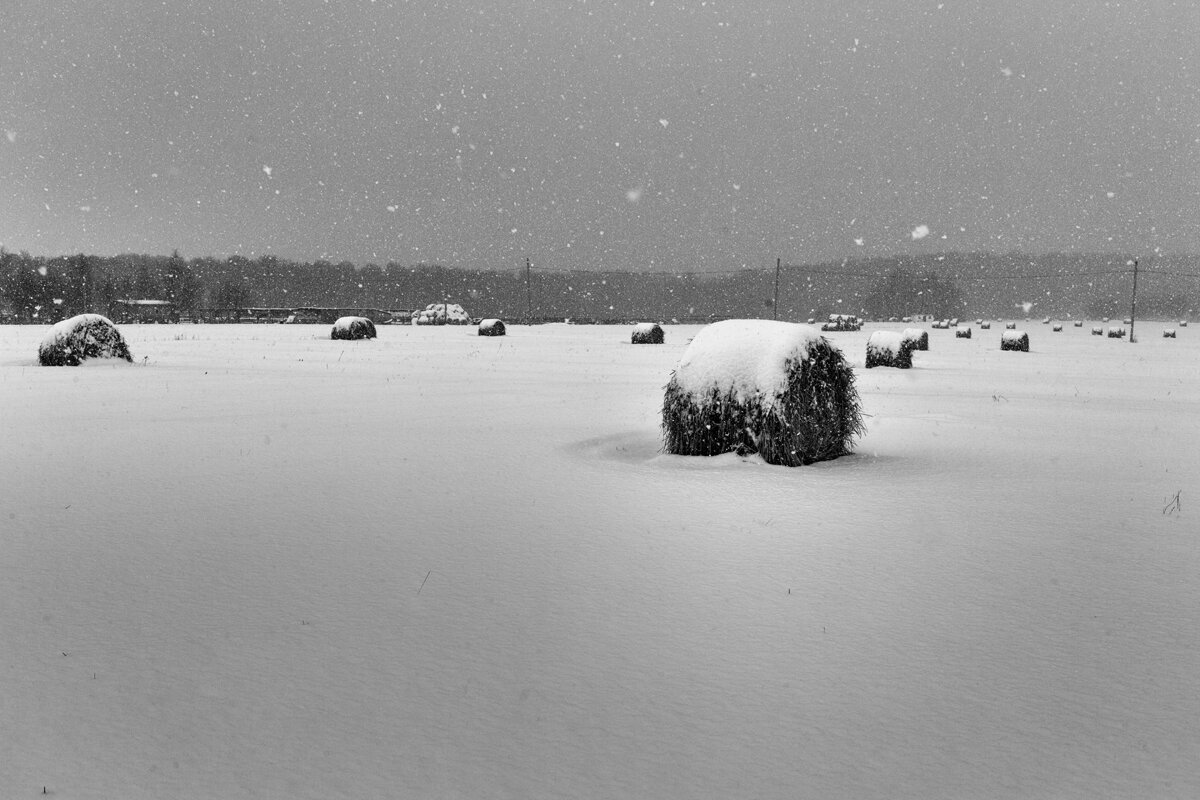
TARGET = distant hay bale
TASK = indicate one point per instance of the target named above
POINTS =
(647, 333)
(918, 337)
(962, 333)
(1097, 330)
(72, 341)
(889, 349)
(1116, 333)
(985, 326)
(1168, 333)
(353, 328)
(1078, 323)
(1056, 327)
(491, 327)
(1010, 326)
(1014, 340)
(1183, 323)
(778, 389)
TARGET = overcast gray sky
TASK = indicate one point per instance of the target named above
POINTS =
(625, 135)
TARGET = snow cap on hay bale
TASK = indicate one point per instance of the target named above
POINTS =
(918, 337)
(647, 333)
(1116, 333)
(72, 341)
(353, 328)
(889, 349)
(1168, 333)
(778, 389)
(962, 333)
(491, 327)
(1015, 340)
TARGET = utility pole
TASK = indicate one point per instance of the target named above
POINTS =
(528, 296)
(778, 267)
(1133, 305)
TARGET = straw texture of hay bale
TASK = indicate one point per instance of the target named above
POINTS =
(777, 389)
(647, 333)
(889, 349)
(918, 337)
(352, 328)
(1116, 333)
(491, 327)
(1015, 340)
(72, 341)
(962, 333)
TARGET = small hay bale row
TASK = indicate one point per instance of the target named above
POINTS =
(1168, 333)
(962, 333)
(889, 349)
(1097, 330)
(778, 389)
(1015, 340)
(72, 341)
(918, 337)
(491, 327)
(1116, 333)
(352, 328)
(647, 333)
(940, 324)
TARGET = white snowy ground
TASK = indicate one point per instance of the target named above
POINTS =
(261, 563)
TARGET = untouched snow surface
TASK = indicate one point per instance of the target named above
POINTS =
(261, 563)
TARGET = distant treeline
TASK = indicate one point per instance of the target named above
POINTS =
(38, 288)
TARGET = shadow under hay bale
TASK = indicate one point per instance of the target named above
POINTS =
(1015, 340)
(778, 389)
(918, 337)
(962, 333)
(491, 327)
(353, 328)
(889, 349)
(72, 341)
(647, 333)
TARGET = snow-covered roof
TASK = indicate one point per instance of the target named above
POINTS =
(746, 357)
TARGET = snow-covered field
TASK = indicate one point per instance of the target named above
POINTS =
(261, 563)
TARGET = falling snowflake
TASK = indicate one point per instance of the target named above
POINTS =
(267, 170)
(920, 232)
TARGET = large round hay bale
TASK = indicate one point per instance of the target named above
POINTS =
(491, 327)
(889, 349)
(1014, 340)
(918, 337)
(72, 341)
(778, 389)
(647, 333)
(962, 333)
(353, 328)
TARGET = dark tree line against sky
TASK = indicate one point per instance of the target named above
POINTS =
(39, 289)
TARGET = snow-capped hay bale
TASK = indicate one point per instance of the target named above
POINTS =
(1168, 333)
(1010, 326)
(778, 389)
(1097, 330)
(491, 327)
(889, 349)
(72, 341)
(1078, 323)
(985, 326)
(962, 333)
(1056, 327)
(1015, 340)
(918, 337)
(647, 333)
(353, 328)
(1116, 333)
(1183, 323)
